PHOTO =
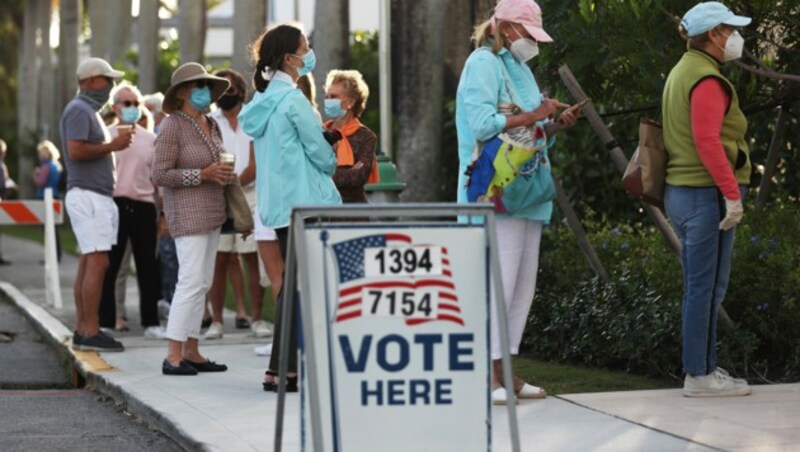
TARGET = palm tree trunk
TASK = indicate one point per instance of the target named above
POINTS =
(192, 30)
(418, 43)
(119, 37)
(28, 95)
(70, 14)
(331, 39)
(46, 82)
(249, 19)
(98, 23)
(149, 25)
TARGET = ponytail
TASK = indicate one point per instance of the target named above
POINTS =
(269, 49)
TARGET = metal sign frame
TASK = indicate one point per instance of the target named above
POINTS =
(387, 214)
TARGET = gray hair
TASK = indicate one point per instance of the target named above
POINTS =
(127, 86)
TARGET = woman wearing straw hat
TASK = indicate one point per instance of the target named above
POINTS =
(187, 164)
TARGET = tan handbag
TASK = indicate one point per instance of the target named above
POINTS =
(240, 217)
(647, 170)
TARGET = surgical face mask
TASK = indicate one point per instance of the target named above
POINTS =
(200, 98)
(333, 108)
(309, 61)
(98, 96)
(523, 49)
(733, 47)
(130, 115)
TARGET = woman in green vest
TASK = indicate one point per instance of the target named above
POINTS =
(707, 178)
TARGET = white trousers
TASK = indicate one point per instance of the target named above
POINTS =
(518, 250)
(196, 255)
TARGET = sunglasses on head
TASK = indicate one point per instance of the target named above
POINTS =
(129, 103)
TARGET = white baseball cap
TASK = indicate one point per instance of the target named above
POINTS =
(97, 67)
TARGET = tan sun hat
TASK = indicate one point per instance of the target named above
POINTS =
(190, 72)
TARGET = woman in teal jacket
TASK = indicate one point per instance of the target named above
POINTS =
(496, 76)
(294, 162)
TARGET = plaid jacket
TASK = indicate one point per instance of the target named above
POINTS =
(182, 150)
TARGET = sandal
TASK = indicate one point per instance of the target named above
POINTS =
(270, 386)
(531, 392)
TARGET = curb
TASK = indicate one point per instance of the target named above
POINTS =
(60, 337)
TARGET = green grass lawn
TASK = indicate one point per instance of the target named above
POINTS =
(555, 378)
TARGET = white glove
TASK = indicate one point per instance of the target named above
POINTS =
(733, 214)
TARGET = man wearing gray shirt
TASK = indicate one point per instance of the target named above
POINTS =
(90, 185)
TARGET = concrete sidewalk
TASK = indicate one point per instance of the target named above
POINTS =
(229, 411)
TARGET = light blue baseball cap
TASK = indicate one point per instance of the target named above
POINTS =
(706, 15)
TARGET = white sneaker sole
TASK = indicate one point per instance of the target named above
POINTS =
(739, 391)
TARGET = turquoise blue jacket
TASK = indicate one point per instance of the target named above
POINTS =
(487, 80)
(294, 163)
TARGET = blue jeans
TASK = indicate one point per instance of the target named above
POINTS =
(706, 256)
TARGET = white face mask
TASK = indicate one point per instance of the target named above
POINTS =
(733, 47)
(523, 49)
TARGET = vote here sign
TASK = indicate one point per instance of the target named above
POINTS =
(400, 327)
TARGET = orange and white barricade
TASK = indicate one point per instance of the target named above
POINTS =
(32, 212)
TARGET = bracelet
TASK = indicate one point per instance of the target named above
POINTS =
(191, 177)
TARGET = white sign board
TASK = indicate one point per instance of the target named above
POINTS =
(400, 333)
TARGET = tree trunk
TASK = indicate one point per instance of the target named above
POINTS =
(249, 19)
(27, 96)
(46, 80)
(192, 30)
(457, 31)
(119, 37)
(98, 23)
(331, 40)
(418, 43)
(149, 25)
(69, 35)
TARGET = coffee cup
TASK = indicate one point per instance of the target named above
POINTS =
(226, 158)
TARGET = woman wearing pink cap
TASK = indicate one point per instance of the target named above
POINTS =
(498, 94)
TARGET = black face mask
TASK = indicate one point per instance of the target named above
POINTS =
(228, 101)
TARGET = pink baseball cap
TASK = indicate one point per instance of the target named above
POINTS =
(526, 13)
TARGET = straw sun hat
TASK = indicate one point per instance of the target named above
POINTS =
(191, 72)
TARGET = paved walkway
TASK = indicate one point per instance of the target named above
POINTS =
(229, 411)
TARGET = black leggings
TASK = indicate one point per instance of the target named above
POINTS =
(274, 359)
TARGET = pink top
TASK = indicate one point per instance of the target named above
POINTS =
(134, 165)
(709, 104)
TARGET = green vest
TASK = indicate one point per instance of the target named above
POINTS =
(684, 167)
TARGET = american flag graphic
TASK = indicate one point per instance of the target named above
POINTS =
(349, 256)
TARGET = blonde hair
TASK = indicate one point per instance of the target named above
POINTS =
(354, 85)
(46, 148)
(484, 33)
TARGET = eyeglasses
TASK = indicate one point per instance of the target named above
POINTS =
(203, 83)
(129, 103)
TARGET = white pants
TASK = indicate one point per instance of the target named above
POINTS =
(518, 250)
(196, 255)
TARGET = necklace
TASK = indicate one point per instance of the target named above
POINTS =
(212, 145)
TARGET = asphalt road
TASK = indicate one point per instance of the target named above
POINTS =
(40, 411)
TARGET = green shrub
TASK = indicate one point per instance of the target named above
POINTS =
(633, 321)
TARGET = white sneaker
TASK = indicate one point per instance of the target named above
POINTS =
(163, 309)
(260, 328)
(263, 350)
(215, 331)
(715, 384)
(155, 332)
(740, 381)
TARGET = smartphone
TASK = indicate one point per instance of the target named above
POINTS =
(574, 107)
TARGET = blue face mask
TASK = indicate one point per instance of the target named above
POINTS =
(130, 115)
(309, 61)
(333, 108)
(200, 98)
